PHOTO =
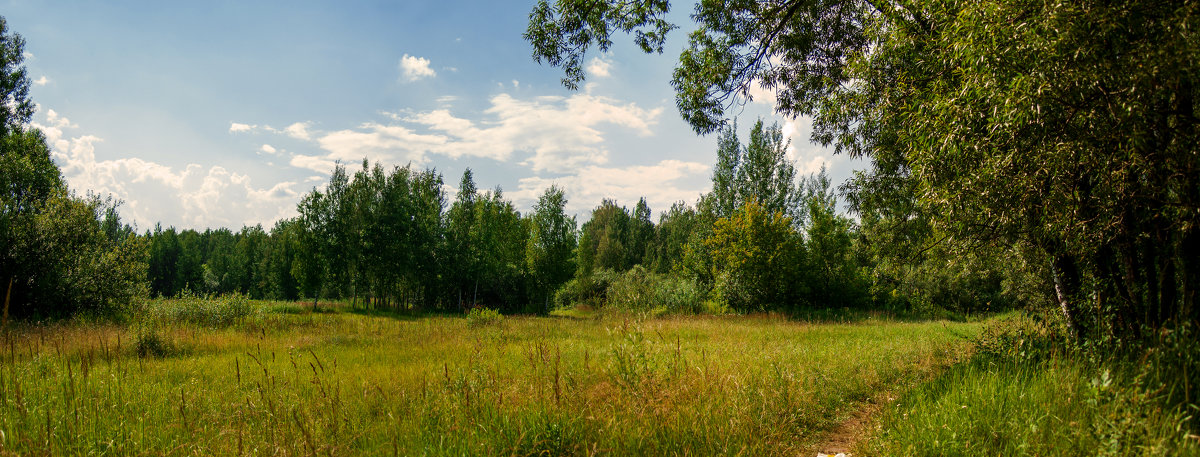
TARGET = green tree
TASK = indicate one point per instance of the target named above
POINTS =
(835, 278)
(500, 237)
(462, 257)
(309, 266)
(725, 189)
(606, 240)
(758, 258)
(675, 227)
(281, 259)
(59, 254)
(1074, 135)
(551, 242)
(641, 234)
(15, 107)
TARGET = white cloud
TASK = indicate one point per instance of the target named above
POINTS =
(42, 81)
(238, 127)
(28, 55)
(298, 131)
(58, 121)
(414, 68)
(555, 134)
(516, 84)
(662, 185)
(192, 197)
(267, 149)
(599, 67)
(809, 157)
(392, 143)
(760, 94)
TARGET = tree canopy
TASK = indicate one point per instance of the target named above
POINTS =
(1068, 127)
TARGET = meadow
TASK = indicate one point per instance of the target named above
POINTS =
(241, 377)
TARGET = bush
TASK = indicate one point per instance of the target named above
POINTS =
(208, 311)
(638, 290)
(150, 343)
(645, 291)
(480, 316)
(591, 290)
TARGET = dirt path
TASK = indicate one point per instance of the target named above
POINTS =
(849, 433)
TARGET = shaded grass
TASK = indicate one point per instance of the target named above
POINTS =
(285, 381)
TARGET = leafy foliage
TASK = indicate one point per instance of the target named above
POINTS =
(551, 243)
(480, 317)
(758, 258)
(59, 254)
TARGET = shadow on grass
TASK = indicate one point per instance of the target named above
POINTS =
(406, 315)
(855, 315)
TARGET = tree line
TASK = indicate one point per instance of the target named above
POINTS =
(762, 239)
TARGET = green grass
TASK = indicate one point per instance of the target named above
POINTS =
(282, 380)
(1037, 399)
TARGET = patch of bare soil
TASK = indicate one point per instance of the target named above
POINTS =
(849, 433)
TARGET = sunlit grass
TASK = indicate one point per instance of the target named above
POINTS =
(288, 381)
(1036, 400)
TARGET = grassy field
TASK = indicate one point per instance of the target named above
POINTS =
(1024, 394)
(276, 379)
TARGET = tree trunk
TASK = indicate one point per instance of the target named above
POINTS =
(7, 296)
(1066, 288)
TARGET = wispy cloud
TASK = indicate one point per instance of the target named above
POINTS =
(42, 81)
(554, 134)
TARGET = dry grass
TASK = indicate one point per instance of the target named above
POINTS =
(299, 383)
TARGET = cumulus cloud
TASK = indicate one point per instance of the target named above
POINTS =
(414, 68)
(809, 158)
(555, 134)
(599, 67)
(298, 131)
(58, 121)
(192, 197)
(236, 127)
(267, 149)
(42, 81)
(662, 185)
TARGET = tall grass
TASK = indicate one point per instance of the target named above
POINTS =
(342, 383)
(1027, 394)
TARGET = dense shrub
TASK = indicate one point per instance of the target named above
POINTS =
(480, 316)
(642, 290)
(637, 290)
(590, 290)
(208, 311)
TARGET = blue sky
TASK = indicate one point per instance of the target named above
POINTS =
(222, 114)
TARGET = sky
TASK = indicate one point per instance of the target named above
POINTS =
(224, 114)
